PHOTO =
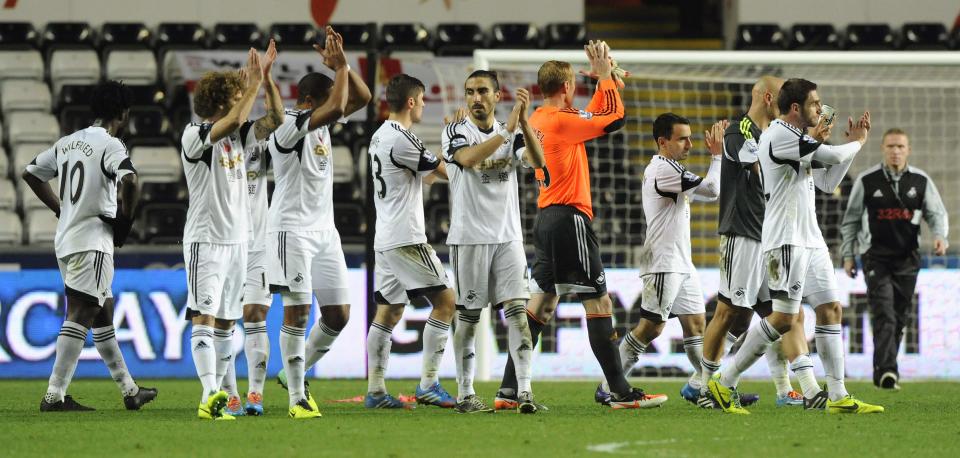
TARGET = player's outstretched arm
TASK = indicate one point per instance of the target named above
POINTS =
(606, 107)
(251, 76)
(274, 104)
(709, 189)
(533, 154)
(856, 136)
(336, 105)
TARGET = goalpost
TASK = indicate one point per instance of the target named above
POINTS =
(916, 91)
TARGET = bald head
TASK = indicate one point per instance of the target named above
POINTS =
(763, 105)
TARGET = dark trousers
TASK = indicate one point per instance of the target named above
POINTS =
(891, 281)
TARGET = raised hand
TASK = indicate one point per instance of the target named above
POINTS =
(519, 109)
(858, 132)
(714, 137)
(268, 59)
(598, 53)
(821, 132)
(458, 116)
(332, 51)
(252, 73)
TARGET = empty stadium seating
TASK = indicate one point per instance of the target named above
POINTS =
(11, 229)
(24, 95)
(759, 37)
(814, 37)
(515, 36)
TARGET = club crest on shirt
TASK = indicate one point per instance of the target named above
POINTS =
(912, 192)
(471, 296)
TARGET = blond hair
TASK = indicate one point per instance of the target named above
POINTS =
(552, 75)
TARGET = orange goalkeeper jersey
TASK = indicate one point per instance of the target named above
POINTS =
(566, 178)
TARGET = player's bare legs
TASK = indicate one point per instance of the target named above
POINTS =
(105, 339)
(256, 347)
(80, 315)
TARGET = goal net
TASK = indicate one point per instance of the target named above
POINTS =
(918, 92)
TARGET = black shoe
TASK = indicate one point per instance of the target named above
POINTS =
(818, 402)
(143, 396)
(889, 381)
(526, 403)
(66, 405)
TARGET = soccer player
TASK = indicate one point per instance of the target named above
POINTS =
(795, 253)
(742, 278)
(567, 252)
(256, 294)
(486, 243)
(406, 265)
(94, 169)
(305, 259)
(216, 230)
(671, 286)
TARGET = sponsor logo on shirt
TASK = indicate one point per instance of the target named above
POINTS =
(586, 114)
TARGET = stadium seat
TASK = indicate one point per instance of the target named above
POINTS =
(343, 165)
(355, 36)
(8, 195)
(18, 35)
(11, 229)
(163, 223)
(930, 36)
(41, 226)
(21, 63)
(458, 39)
(759, 37)
(439, 216)
(162, 192)
(236, 35)
(350, 221)
(293, 36)
(173, 36)
(24, 95)
(31, 127)
(814, 37)
(148, 125)
(24, 153)
(74, 118)
(404, 37)
(347, 192)
(515, 35)
(132, 66)
(73, 94)
(29, 201)
(148, 94)
(868, 37)
(4, 164)
(438, 192)
(125, 35)
(565, 35)
(156, 163)
(73, 66)
(67, 35)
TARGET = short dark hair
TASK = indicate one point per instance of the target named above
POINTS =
(400, 88)
(491, 75)
(316, 85)
(794, 90)
(110, 99)
(663, 125)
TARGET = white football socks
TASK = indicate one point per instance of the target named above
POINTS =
(778, 368)
(69, 345)
(707, 369)
(434, 341)
(631, 349)
(223, 345)
(379, 342)
(318, 343)
(105, 339)
(204, 358)
(758, 339)
(256, 347)
(292, 348)
(693, 346)
(465, 351)
(830, 348)
(520, 342)
(802, 366)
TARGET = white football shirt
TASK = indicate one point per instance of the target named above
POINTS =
(217, 181)
(484, 201)
(667, 188)
(303, 169)
(398, 163)
(90, 163)
(257, 160)
(790, 217)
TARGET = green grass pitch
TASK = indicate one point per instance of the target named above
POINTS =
(921, 420)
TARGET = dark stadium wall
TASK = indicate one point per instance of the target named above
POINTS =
(209, 12)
